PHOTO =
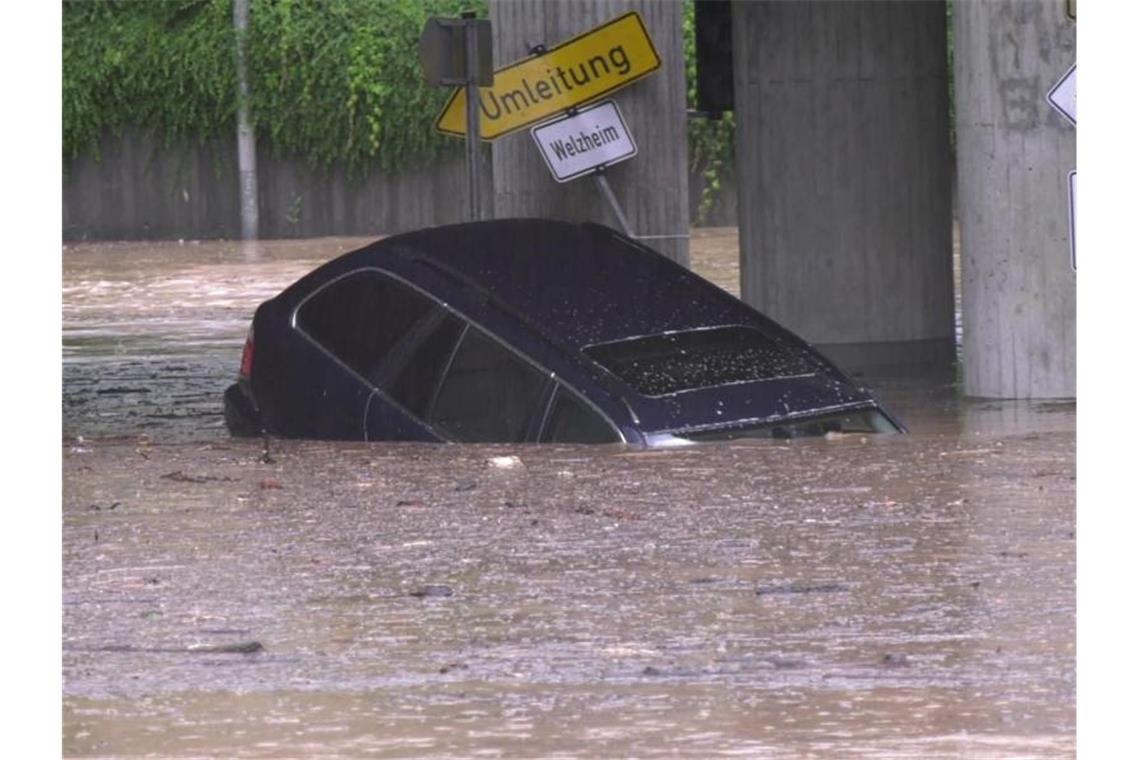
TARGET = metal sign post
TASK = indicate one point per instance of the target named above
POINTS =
(607, 191)
(458, 52)
(471, 43)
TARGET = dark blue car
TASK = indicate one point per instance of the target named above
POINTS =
(529, 330)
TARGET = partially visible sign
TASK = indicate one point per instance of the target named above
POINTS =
(443, 51)
(1073, 218)
(594, 137)
(1063, 96)
(585, 68)
(1071, 9)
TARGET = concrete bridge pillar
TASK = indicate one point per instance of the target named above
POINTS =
(844, 171)
(652, 187)
(1014, 156)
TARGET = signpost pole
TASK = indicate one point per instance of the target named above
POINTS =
(604, 185)
(246, 138)
(472, 67)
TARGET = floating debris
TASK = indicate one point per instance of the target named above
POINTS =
(432, 590)
(178, 476)
(801, 588)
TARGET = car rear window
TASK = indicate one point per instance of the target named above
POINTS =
(360, 318)
(658, 365)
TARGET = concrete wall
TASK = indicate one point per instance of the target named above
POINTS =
(844, 173)
(653, 186)
(139, 189)
(1014, 155)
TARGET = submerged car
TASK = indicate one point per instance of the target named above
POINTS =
(529, 330)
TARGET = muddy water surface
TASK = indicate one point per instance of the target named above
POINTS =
(152, 332)
(909, 596)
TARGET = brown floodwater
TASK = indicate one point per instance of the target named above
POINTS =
(904, 596)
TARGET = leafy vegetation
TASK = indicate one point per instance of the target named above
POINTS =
(330, 81)
(167, 65)
(337, 80)
(711, 149)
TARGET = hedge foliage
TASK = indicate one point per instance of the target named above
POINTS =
(331, 81)
(336, 80)
(711, 141)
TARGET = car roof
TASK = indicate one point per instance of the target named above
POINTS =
(581, 282)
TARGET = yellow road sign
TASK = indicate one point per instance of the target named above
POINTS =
(577, 71)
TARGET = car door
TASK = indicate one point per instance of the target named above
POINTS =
(352, 326)
(488, 393)
(407, 387)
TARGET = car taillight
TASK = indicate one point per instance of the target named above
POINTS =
(246, 370)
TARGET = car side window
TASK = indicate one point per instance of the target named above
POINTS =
(415, 383)
(489, 393)
(361, 317)
(572, 421)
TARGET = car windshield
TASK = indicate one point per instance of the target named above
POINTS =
(658, 365)
(861, 421)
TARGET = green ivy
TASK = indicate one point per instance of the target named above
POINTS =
(711, 141)
(162, 64)
(330, 81)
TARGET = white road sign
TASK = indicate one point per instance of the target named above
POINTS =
(1063, 96)
(575, 145)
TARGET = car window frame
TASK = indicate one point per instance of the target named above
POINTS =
(442, 375)
(546, 396)
(552, 394)
(409, 348)
(398, 348)
(546, 377)
(404, 348)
